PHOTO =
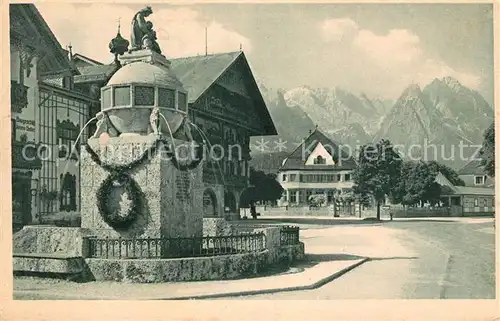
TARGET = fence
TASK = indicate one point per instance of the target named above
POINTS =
(302, 210)
(289, 235)
(399, 211)
(174, 247)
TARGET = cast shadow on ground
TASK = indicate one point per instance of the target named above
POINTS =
(420, 220)
(311, 260)
(309, 221)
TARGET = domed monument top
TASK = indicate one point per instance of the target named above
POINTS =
(144, 96)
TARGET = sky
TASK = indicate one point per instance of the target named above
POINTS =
(376, 49)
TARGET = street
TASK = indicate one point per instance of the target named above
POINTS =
(410, 259)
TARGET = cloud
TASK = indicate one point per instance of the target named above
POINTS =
(395, 59)
(180, 30)
(338, 29)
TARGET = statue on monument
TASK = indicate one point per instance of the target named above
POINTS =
(143, 36)
(104, 125)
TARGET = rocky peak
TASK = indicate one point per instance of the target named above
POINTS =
(452, 83)
(412, 90)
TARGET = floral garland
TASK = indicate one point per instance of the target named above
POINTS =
(119, 175)
(113, 218)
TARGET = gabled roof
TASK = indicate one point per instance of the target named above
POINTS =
(447, 188)
(28, 24)
(77, 56)
(442, 180)
(198, 73)
(473, 167)
(98, 73)
(86, 59)
(465, 190)
(297, 159)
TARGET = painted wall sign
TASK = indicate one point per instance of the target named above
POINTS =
(25, 124)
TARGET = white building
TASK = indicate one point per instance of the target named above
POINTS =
(317, 166)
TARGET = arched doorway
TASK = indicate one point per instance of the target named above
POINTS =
(229, 202)
(209, 203)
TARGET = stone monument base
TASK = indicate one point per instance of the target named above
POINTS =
(171, 198)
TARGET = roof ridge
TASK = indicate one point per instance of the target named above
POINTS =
(329, 140)
(208, 55)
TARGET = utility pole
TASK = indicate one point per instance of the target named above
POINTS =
(206, 40)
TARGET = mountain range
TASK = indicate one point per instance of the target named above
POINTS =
(442, 114)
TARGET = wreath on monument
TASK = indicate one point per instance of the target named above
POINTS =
(120, 177)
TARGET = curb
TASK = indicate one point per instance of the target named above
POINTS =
(313, 286)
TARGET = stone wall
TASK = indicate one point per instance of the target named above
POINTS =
(45, 242)
(173, 204)
(217, 227)
(50, 239)
(174, 270)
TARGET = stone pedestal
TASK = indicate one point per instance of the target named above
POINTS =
(145, 55)
(173, 204)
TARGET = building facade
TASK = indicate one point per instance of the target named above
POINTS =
(474, 175)
(317, 167)
(46, 118)
(466, 200)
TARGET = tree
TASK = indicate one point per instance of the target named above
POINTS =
(265, 188)
(378, 171)
(448, 172)
(346, 197)
(418, 184)
(488, 151)
(317, 200)
(399, 191)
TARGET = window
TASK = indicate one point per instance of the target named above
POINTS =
(106, 98)
(236, 167)
(209, 203)
(121, 96)
(338, 177)
(166, 98)
(67, 132)
(284, 178)
(476, 203)
(293, 196)
(182, 102)
(319, 160)
(347, 177)
(67, 196)
(479, 180)
(144, 96)
(293, 177)
(243, 169)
